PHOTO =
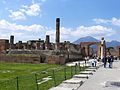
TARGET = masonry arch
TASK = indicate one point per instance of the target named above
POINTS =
(86, 49)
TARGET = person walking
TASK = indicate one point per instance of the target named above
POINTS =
(95, 62)
(104, 61)
(110, 61)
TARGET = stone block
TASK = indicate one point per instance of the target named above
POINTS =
(81, 76)
(87, 72)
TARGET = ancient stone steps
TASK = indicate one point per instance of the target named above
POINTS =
(87, 72)
(77, 80)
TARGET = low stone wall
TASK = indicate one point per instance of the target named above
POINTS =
(54, 59)
(20, 59)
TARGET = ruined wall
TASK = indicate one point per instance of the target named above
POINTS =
(4, 44)
(20, 59)
(54, 59)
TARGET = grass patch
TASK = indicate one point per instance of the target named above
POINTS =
(29, 75)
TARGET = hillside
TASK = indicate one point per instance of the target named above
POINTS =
(113, 43)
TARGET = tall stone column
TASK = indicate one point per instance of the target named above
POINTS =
(99, 50)
(103, 48)
(57, 32)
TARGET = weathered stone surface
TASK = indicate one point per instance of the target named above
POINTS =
(81, 76)
(20, 59)
(101, 77)
(94, 70)
(74, 81)
(53, 59)
(87, 72)
(60, 88)
(4, 45)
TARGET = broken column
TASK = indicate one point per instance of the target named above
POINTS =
(47, 42)
(57, 32)
(20, 45)
(11, 42)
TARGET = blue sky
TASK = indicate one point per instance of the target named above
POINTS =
(33, 19)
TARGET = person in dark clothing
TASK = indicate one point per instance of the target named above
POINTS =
(110, 61)
(104, 61)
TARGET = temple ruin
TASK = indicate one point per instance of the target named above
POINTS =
(49, 52)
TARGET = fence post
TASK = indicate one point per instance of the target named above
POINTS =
(17, 83)
(54, 78)
(71, 72)
(79, 67)
(75, 68)
(36, 82)
(65, 73)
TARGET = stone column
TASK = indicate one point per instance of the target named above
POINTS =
(20, 45)
(88, 50)
(11, 41)
(47, 42)
(103, 48)
(99, 50)
(57, 32)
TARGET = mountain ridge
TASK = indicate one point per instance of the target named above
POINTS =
(113, 43)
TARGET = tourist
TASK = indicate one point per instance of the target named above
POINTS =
(110, 61)
(104, 60)
(92, 63)
(85, 60)
(95, 62)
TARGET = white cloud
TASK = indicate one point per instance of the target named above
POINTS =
(17, 15)
(21, 32)
(93, 31)
(32, 10)
(35, 31)
(99, 20)
(13, 26)
(81, 31)
(114, 21)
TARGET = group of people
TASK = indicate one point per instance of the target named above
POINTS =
(108, 59)
(93, 62)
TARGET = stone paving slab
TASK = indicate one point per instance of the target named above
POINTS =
(101, 77)
(93, 67)
(60, 88)
(74, 81)
(81, 76)
(87, 72)
(77, 80)
(94, 70)
(69, 85)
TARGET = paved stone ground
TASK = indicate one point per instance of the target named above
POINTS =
(101, 76)
(100, 80)
(77, 80)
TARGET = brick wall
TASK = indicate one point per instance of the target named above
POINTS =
(4, 44)
(54, 59)
(20, 59)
